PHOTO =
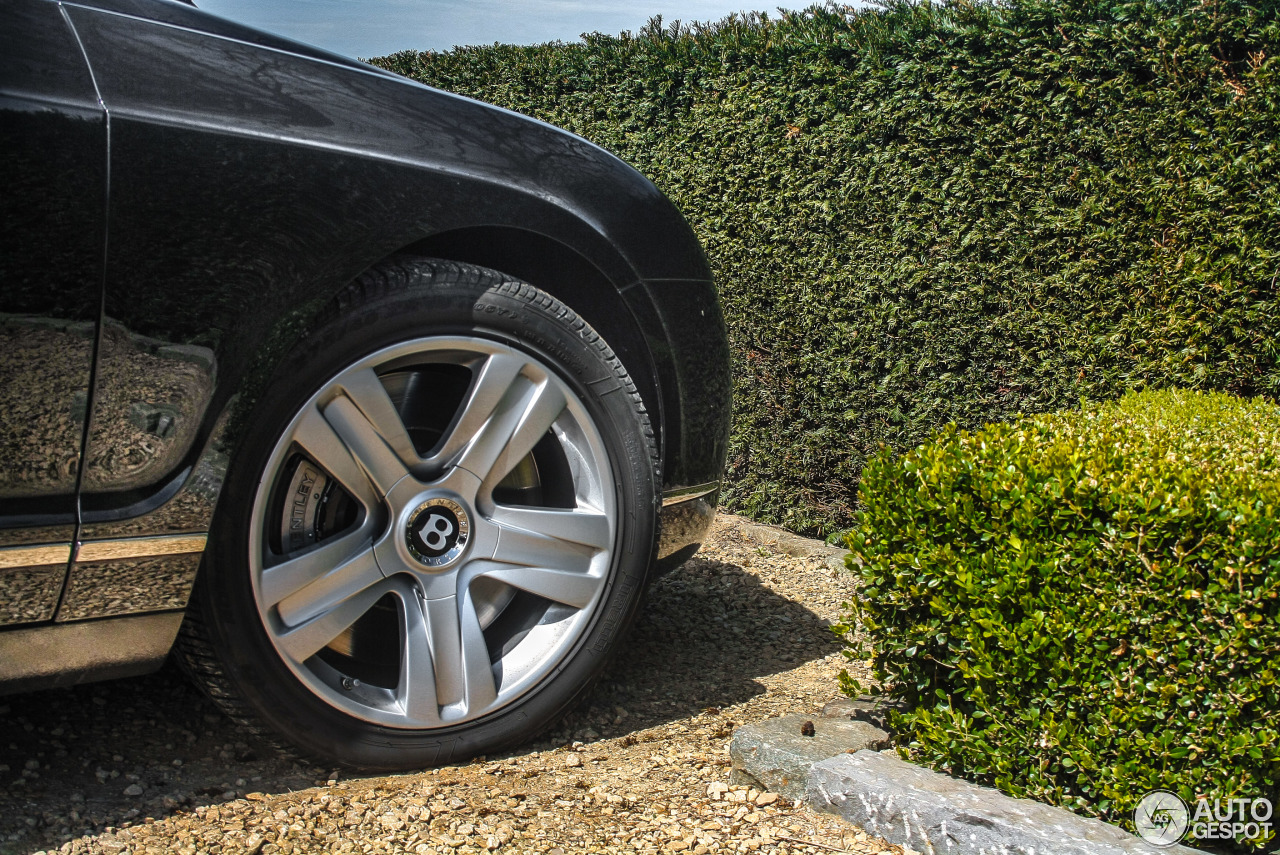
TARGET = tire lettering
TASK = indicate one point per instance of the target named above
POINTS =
(609, 625)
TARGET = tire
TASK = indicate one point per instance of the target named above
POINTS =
(435, 530)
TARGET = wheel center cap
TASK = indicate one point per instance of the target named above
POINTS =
(437, 532)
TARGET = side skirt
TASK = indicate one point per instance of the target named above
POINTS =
(44, 657)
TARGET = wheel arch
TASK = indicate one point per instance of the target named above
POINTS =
(571, 278)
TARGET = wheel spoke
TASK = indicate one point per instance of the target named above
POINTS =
(328, 591)
(416, 691)
(366, 445)
(302, 641)
(323, 445)
(291, 576)
(524, 417)
(555, 567)
(561, 586)
(492, 383)
(477, 668)
(446, 649)
(369, 395)
(588, 527)
(530, 549)
(460, 655)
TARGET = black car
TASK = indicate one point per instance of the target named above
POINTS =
(377, 406)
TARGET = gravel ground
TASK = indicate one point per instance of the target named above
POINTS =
(736, 635)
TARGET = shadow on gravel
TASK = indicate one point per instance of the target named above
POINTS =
(707, 632)
(74, 761)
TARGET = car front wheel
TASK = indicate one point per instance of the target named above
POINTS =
(436, 528)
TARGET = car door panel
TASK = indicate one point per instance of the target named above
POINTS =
(53, 171)
(53, 135)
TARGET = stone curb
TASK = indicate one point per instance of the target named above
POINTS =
(776, 756)
(935, 814)
(837, 767)
(791, 543)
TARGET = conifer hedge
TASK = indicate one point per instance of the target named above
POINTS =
(921, 214)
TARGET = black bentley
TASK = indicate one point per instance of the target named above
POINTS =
(377, 406)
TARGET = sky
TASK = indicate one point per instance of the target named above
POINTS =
(369, 28)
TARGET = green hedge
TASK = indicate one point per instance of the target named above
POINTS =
(931, 213)
(1082, 607)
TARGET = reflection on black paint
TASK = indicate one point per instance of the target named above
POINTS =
(684, 525)
(44, 373)
(150, 398)
(29, 594)
(190, 511)
(33, 535)
(129, 586)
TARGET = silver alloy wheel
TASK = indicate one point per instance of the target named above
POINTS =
(416, 576)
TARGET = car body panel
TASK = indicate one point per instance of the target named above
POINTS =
(251, 180)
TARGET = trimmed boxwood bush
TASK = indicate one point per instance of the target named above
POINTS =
(1084, 606)
(951, 212)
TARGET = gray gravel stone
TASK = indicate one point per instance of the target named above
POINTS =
(775, 754)
(936, 814)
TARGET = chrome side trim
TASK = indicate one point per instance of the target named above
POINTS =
(140, 547)
(685, 494)
(34, 556)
